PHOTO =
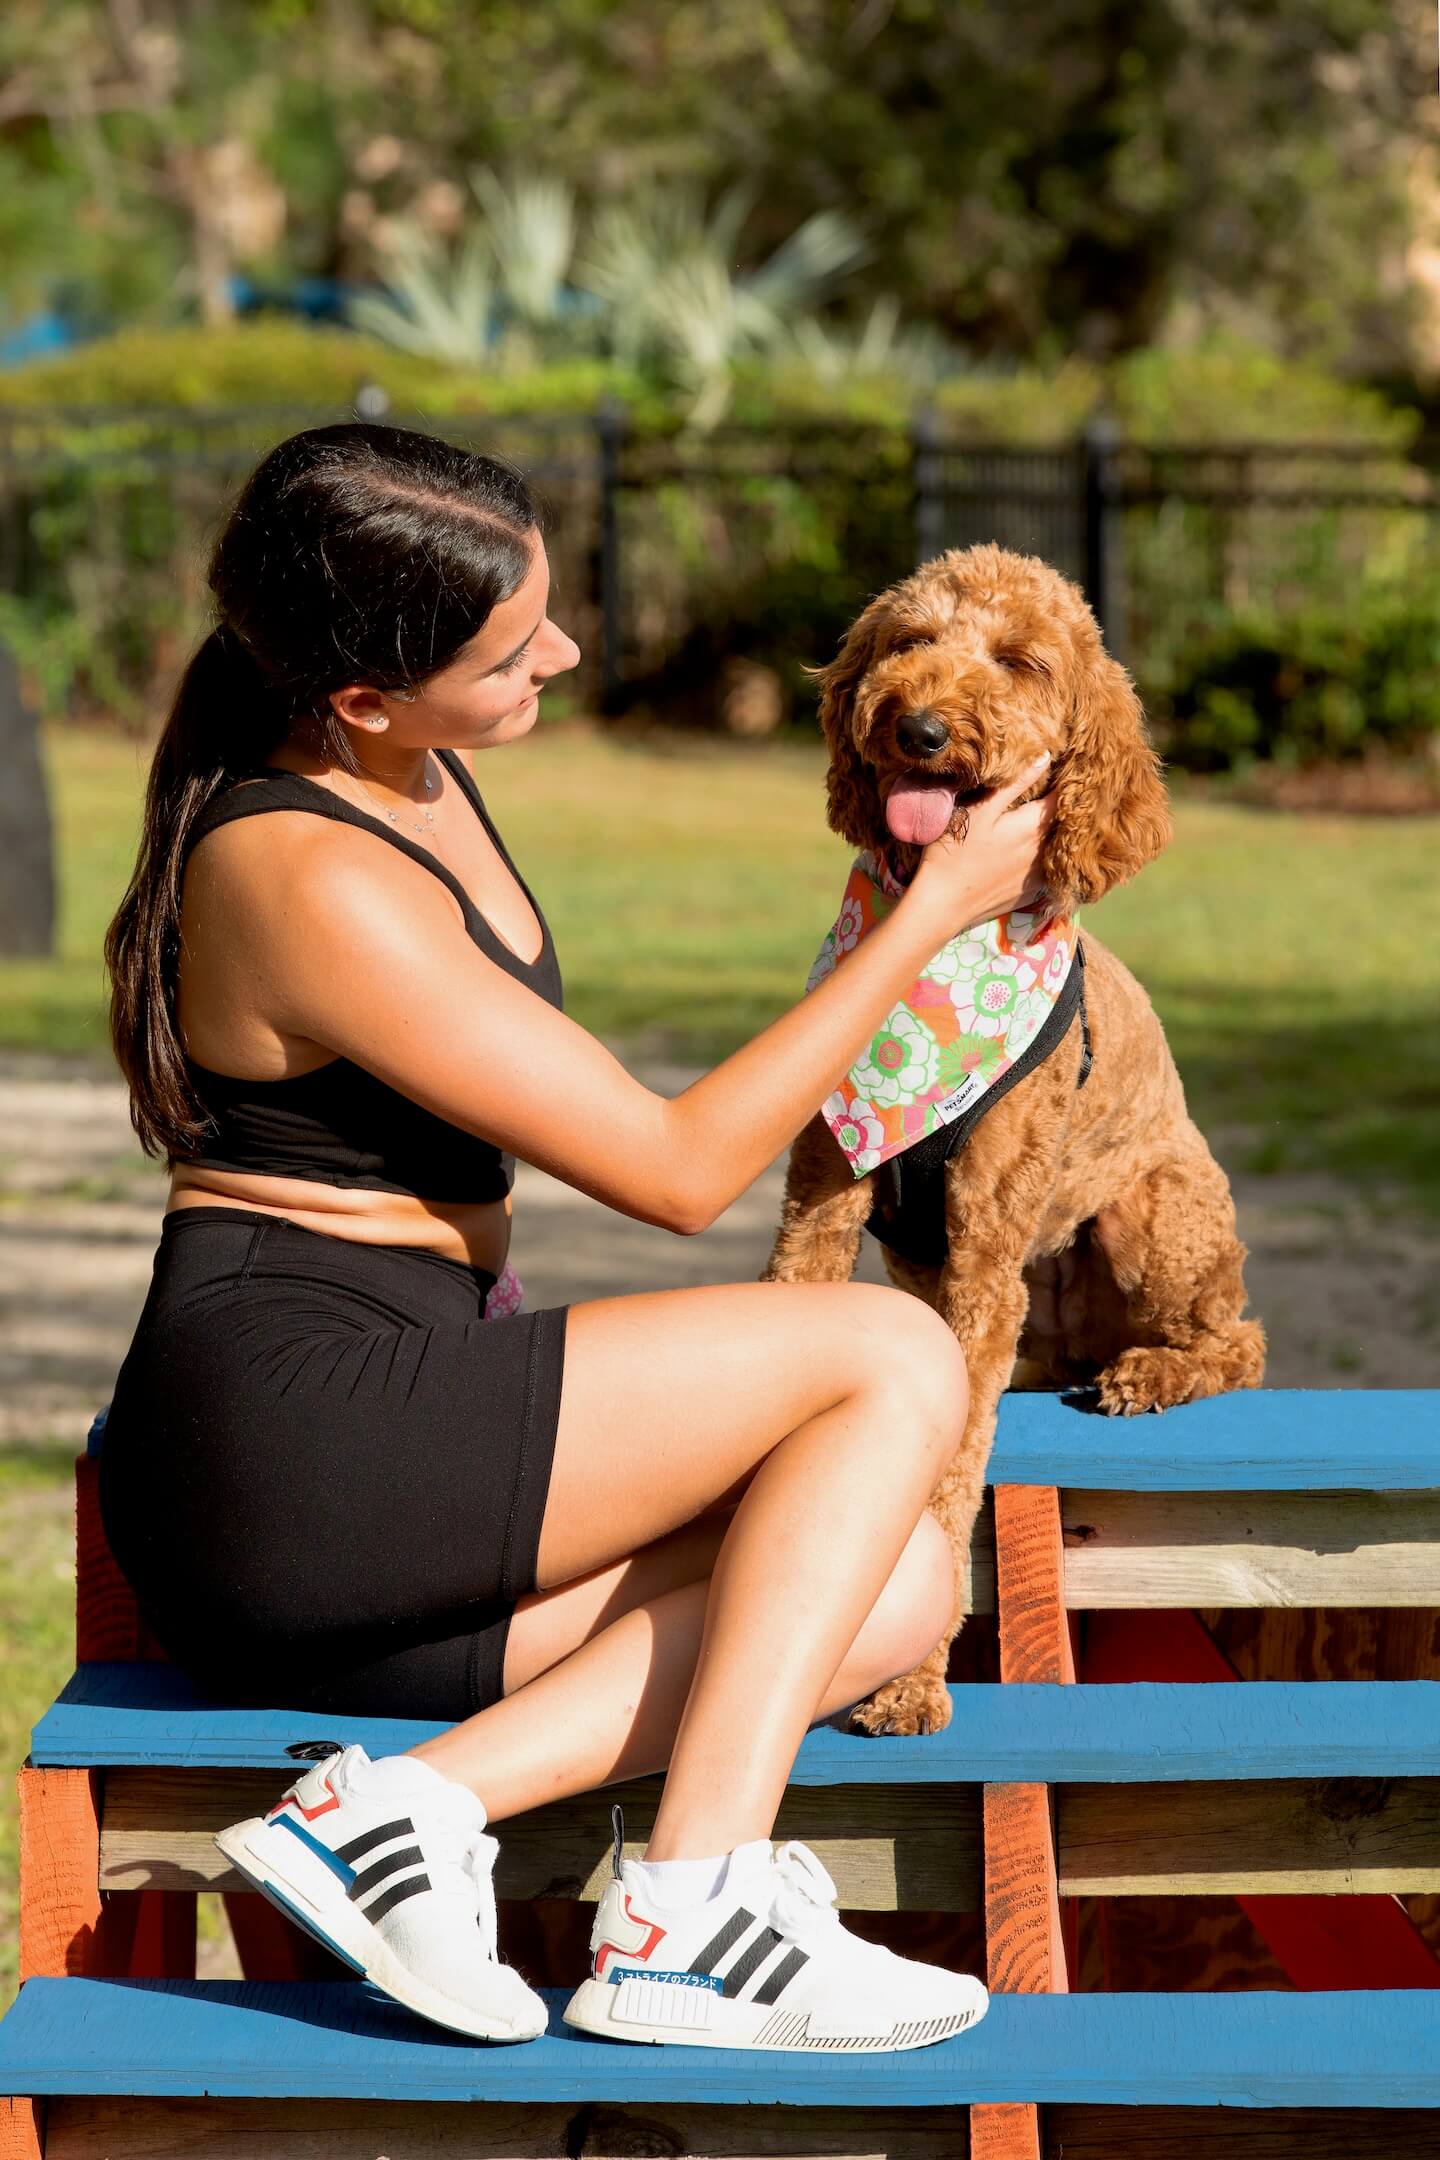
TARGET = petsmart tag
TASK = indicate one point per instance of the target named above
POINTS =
(960, 1026)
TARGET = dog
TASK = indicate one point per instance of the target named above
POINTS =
(1081, 1233)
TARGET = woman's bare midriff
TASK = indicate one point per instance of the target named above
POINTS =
(475, 1231)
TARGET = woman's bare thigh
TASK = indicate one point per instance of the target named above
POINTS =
(672, 1399)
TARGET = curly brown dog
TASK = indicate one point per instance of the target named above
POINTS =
(1088, 1231)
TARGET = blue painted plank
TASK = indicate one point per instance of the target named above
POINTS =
(1372, 2048)
(1148, 1731)
(1261, 1440)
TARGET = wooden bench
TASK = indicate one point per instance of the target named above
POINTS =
(1041, 1790)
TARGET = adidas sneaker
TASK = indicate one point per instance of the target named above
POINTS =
(387, 1864)
(764, 1963)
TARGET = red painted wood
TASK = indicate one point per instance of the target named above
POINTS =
(1321, 1942)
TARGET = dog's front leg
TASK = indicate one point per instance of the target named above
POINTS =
(996, 1192)
(824, 1211)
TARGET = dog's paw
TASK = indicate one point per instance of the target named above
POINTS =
(918, 1703)
(1141, 1380)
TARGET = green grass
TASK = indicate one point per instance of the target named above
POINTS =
(37, 1626)
(689, 882)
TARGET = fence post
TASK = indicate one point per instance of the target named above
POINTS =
(610, 423)
(1104, 530)
(927, 480)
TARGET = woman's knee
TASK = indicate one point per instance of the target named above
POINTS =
(913, 1356)
(916, 1608)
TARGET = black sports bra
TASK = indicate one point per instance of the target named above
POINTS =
(338, 1124)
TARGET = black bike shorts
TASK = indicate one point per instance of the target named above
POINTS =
(324, 1471)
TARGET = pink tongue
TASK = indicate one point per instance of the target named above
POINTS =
(919, 810)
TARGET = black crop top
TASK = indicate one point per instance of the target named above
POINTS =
(339, 1124)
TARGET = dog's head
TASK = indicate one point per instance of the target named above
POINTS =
(955, 679)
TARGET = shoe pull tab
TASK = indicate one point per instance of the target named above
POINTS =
(617, 1824)
(315, 1750)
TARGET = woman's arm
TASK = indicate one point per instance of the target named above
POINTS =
(377, 967)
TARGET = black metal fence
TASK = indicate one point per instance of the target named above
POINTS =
(672, 550)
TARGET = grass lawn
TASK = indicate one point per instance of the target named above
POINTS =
(689, 883)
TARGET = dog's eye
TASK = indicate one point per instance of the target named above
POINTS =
(1018, 661)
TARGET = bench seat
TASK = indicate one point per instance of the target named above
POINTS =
(1363, 2047)
(148, 1713)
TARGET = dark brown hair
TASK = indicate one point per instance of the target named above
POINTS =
(353, 553)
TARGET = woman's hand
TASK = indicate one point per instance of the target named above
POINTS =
(993, 864)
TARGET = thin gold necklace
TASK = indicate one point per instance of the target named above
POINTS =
(394, 816)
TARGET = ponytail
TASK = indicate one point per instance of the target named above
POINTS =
(357, 552)
(223, 722)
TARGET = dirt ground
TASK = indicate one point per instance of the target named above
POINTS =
(1350, 1299)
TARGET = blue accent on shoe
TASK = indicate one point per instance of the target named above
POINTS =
(712, 1981)
(303, 1920)
(321, 1850)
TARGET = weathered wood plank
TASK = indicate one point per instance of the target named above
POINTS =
(912, 1848)
(102, 2129)
(1349, 2048)
(1131, 1551)
(1266, 1838)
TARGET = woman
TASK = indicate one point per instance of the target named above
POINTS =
(594, 1540)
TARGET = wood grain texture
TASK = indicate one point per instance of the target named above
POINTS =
(22, 2128)
(63, 1925)
(1035, 1643)
(1350, 1835)
(1259, 1440)
(361, 2129)
(1134, 1551)
(908, 1848)
(1349, 2048)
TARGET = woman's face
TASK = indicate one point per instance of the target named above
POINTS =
(488, 694)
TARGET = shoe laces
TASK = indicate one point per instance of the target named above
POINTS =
(804, 1893)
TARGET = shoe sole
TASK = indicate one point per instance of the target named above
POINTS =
(255, 1851)
(661, 2012)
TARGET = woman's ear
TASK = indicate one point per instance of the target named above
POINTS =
(1111, 812)
(852, 806)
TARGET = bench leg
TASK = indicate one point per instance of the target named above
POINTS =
(22, 2129)
(1030, 1944)
(67, 1924)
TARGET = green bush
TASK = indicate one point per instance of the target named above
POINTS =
(1311, 685)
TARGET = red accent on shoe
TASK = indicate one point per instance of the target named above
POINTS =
(654, 1935)
(293, 1799)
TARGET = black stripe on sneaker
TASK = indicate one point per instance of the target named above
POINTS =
(395, 1895)
(369, 1839)
(766, 1943)
(728, 1936)
(407, 1856)
(776, 1982)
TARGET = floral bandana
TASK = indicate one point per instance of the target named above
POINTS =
(961, 1025)
(505, 1295)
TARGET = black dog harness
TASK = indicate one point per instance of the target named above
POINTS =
(907, 1213)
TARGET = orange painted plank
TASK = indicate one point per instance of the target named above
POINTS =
(63, 1927)
(1035, 1637)
(22, 2129)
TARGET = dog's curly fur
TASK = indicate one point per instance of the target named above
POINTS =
(1091, 1232)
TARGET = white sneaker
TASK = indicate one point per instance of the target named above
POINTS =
(386, 1863)
(764, 1963)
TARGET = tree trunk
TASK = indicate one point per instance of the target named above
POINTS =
(27, 854)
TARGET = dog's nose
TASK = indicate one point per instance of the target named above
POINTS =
(921, 733)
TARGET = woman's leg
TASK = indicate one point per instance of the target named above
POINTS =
(823, 1414)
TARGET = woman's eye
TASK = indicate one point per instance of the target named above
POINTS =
(511, 665)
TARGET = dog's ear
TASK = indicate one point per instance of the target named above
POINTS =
(1111, 812)
(852, 807)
